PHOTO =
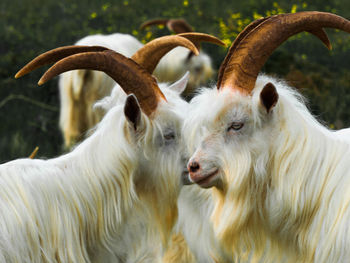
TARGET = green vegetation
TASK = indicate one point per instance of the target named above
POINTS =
(29, 114)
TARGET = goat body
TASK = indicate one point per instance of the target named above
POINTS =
(280, 178)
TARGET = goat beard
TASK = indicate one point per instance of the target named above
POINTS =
(236, 211)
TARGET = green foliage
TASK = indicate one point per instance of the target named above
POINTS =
(29, 114)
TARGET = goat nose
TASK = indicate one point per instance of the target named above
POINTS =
(193, 167)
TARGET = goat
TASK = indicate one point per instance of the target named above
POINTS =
(113, 198)
(180, 60)
(80, 89)
(280, 179)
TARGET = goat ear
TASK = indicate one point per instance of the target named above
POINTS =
(132, 111)
(269, 96)
(180, 85)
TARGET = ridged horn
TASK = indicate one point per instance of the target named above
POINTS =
(176, 25)
(55, 55)
(149, 55)
(244, 62)
(128, 74)
(234, 45)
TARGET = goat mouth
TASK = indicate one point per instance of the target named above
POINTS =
(208, 180)
(185, 178)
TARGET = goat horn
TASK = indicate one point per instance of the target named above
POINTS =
(234, 45)
(177, 25)
(154, 22)
(55, 55)
(126, 72)
(33, 154)
(197, 38)
(250, 54)
(149, 55)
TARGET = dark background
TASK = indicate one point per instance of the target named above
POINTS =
(29, 114)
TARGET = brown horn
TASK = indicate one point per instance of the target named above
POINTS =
(197, 38)
(243, 63)
(154, 22)
(176, 25)
(179, 26)
(234, 45)
(55, 55)
(33, 154)
(149, 55)
(128, 74)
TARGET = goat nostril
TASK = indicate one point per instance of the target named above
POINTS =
(194, 167)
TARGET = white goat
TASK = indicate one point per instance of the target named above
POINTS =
(113, 198)
(280, 179)
(80, 89)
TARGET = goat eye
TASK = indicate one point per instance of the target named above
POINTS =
(169, 136)
(235, 126)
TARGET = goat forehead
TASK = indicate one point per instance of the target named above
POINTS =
(175, 106)
(214, 107)
(201, 59)
(167, 115)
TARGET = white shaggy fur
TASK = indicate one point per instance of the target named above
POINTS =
(80, 89)
(195, 208)
(282, 187)
(112, 199)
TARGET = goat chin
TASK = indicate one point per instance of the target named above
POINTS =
(285, 177)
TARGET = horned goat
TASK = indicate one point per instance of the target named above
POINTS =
(280, 179)
(113, 198)
(80, 89)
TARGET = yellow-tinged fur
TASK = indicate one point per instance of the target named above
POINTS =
(178, 251)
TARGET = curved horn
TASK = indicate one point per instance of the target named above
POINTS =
(128, 74)
(234, 45)
(318, 33)
(55, 55)
(197, 38)
(149, 55)
(243, 63)
(154, 22)
(177, 25)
